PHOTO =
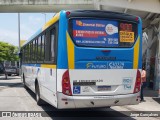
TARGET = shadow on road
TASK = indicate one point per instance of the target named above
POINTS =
(77, 114)
(150, 93)
(10, 82)
(9, 78)
(5, 84)
(157, 100)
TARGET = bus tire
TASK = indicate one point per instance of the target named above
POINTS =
(24, 83)
(38, 99)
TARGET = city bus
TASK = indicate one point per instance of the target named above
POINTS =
(85, 59)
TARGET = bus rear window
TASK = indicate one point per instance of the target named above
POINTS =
(102, 33)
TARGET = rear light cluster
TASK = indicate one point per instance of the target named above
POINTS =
(68, 13)
(66, 86)
(137, 87)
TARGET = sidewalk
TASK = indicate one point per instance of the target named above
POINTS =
(152, 102)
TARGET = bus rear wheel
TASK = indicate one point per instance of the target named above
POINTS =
(38, 99)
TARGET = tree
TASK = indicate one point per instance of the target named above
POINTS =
(8, 52)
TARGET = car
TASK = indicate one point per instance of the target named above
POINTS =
(2, 70)
(12, 70)
(12, 67)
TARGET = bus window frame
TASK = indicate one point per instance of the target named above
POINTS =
(48, 37)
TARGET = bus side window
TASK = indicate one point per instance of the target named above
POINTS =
(52, 47)
(39, 49)
(26, 54)
(23, 55)
(47, 44)
(50, 41)
(34, 51)
(29, 53)
(43, 47)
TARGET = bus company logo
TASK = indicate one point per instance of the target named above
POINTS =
(116, 65)
(94, 66)
(79, 23)
(111, 29)
(89, 65)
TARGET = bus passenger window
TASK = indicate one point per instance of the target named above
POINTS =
(43, 47)
(52, 50)
(39, 49)
(26, 54)
(34, 51)
(31, 51)
(23, 55)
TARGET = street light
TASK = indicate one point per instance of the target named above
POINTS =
(44, 17)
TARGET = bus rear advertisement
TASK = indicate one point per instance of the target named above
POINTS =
(85, 59)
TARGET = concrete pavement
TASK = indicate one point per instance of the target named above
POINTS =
(13, 97)
(152, 102)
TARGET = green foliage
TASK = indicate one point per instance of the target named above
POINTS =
(8, 52)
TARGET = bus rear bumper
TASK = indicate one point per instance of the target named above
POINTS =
(66, 102)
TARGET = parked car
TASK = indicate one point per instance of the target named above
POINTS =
(12, 67)
(12, 70)
(2, 70)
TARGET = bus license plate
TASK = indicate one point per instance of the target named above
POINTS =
(104, 88)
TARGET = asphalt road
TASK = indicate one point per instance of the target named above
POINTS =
(13, 97)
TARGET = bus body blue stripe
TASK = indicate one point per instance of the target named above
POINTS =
(140, 46)
(62, 62)
(35, 65)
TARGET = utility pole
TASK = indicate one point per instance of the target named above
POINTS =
(19, 39)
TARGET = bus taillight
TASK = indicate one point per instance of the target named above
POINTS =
(137, 18)
(68, 13)
(66, 86)
(137, 86)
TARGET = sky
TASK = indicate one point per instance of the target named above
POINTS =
(29, 24)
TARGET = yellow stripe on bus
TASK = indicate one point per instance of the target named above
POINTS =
(136, 54)
(48, 66)
(52, 21)
(70, 47)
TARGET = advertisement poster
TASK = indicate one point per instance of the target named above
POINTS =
(96, 33)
